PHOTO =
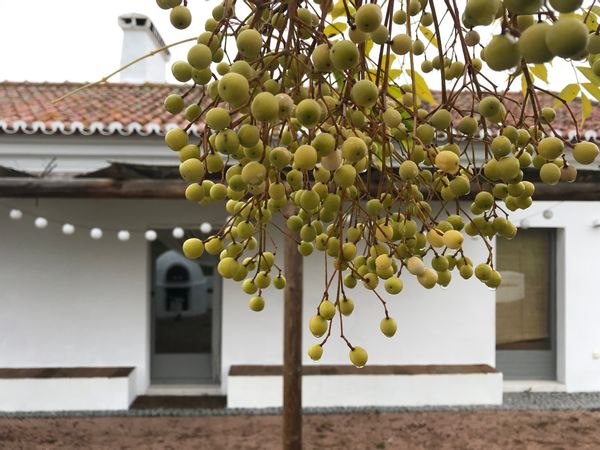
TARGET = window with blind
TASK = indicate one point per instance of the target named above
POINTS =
(524, 301)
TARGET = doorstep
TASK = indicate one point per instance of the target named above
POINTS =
(533, 386)
(184, 389)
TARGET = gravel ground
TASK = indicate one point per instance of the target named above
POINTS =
(522, 401)
(441, 430)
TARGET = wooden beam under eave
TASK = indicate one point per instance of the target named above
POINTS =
(175, 189)
(91, 188)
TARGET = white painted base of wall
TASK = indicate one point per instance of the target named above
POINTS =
(369, 390)
(66, 394)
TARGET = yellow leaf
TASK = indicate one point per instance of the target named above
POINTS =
(368, 47)
(568, 93)
(395, 92)
(335, 28)
(540, 71)
(394, 73)
(589, 74)
(429, 35)
(421, 88)
(524, 85)
(591, 22)
(593, 90)
(339, 10)
(586, 107)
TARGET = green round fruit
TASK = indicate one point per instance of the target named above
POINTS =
(441, 119)
(257, 303)
(550, 173)
(174, 103)
(401, 44)
(315, 352)
(321, 59)
(317, 326)
(180, 17)
(585, 152)
(193, 248)
(388, 326)
(364, 92)
(182, 71)
(217, 118)
(568, 37)
(327, 310)
(249, 43)
(305, 157)
(550, 148)
(354, 149)
(359, 357)
(523, 6)
(489, 107)
(502, 53)
(308, 112)
(344, 55)
(234, 89)
(176, 139)
(532, 44)
(265, 107)
(199, 56)
(368, 17)
(566, 6)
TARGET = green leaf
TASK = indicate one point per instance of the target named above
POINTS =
(589, 74)
(596, 9)
(586, 107)
(593, 90)
(421, 88)
(540, 71)
(335, 28)
(568, 93)
(429, 35)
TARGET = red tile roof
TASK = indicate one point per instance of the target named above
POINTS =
(113, 108)
(125, 109)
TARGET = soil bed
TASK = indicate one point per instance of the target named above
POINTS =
(416, 430)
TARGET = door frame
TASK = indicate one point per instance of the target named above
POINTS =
(513, 360)
(217, 315)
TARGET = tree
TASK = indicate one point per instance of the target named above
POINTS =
(323, 108)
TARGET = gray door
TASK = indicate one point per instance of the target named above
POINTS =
(185, 315)
(526, 305)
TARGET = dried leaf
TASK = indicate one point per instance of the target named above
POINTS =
(568, 93)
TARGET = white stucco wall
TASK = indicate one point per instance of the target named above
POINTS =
(578, 300)
(73, 301)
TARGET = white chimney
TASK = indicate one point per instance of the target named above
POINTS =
(140, 37)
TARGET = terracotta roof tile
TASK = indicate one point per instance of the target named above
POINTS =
(117, 108)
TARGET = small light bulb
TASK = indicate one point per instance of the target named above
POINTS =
(15, 214)
(41, 222)
(178, 232)
(548, 214)
(205, 227)
(96, 233)
(524, 224)
(150, 235)
(68, 229)
(123, 235)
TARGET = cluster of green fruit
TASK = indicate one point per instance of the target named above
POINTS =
(303, 119)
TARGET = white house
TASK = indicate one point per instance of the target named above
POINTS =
(92, 323)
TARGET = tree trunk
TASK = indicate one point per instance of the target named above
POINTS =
(292, 345)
